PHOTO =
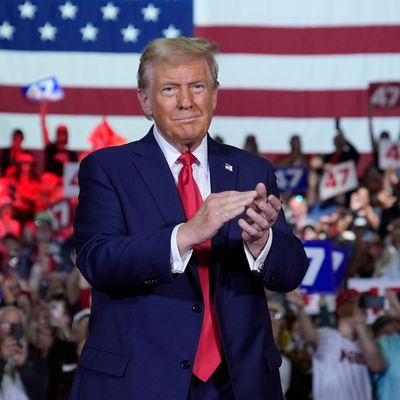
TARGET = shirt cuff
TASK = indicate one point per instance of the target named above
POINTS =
(258, 264)
(178, 263)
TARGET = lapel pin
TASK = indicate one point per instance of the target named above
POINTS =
(228, 167)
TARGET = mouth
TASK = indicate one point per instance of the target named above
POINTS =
(186, 118)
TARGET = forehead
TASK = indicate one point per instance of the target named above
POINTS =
(10, 316)
(185, 69)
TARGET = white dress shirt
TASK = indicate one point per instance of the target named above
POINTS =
(201, 174)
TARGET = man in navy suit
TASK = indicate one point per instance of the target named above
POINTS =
(138, 249)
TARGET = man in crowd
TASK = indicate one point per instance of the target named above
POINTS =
(178, 236)
(341, 356)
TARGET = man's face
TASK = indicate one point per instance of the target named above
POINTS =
(181, 99)
(62, 137)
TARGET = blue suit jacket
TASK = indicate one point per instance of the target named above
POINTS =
(146, 321)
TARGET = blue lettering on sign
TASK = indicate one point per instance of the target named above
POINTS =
(46, 89)
(292, 179)
(340, 260)
(320, 277)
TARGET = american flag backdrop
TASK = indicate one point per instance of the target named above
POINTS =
(286, 67)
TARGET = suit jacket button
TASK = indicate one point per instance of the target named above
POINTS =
(186, 364)
(197, 308)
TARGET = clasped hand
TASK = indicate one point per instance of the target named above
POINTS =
(259, 210)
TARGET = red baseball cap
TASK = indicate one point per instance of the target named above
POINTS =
(346, 295)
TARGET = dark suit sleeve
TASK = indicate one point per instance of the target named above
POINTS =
(110, 259)
(286, 263)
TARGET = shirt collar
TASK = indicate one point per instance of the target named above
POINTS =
(171, 154)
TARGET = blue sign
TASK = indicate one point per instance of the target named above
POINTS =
(46, 89)
(292, 179)
(340, 260)
(320, 277)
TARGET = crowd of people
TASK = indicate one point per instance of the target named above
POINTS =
(45, 301)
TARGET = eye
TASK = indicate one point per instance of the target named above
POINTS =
(168, 90)
(198, 87)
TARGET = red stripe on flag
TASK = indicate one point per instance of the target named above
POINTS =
(79, 101)
(231, 102)
(315, 40)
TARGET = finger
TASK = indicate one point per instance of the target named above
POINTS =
(258, 218)
(230, 201)
(234, 194)
(275, 202)
(261, 190)
(250, 231)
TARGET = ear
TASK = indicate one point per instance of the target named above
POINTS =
(145, 102)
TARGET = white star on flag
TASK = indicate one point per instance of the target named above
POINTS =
(68, 10)
(171, 32)
(47, 32)
(150, 13)
(89, 33)
(110, 12)
(6, 30)
(27, 10)
(130, 33)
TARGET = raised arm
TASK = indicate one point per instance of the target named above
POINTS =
(45, 133)
(307, 328)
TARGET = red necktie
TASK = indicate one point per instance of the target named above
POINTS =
(208, 355)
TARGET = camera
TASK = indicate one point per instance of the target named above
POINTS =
(370, 301)
(17, 331)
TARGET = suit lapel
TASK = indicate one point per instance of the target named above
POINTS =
(153, 167)
(224, 174)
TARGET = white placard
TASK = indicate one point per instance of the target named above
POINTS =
(376, 284)
(71, 187)
(380, 284)
(340, 178)
(61, 213)
(389, 154)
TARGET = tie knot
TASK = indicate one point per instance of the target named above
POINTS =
(187, 159)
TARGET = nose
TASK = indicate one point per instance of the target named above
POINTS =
(184, 98)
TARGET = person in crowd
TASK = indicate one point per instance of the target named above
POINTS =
(50, 191)
(277, 313)
(300, 387)
(19, 259)
(365, 256)
(386, 329)
(24, 187)
(390, 211)
(48, 339)
(188, 236)
(384, 135)
(46, 253)
(251, 144)
(23, 373)
(9, 156)
(80, 330)
(56, 153)
(388, 264)
(361, 219)
(344, 151)
(295, 157)
(8, 224)
(342, 357)
(298, 215)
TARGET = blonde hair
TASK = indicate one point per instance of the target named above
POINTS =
(173, 51)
